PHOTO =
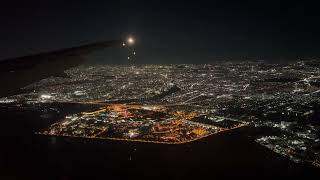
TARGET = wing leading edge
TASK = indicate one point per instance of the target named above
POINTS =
(17, 73)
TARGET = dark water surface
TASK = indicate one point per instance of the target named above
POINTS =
(25, 155)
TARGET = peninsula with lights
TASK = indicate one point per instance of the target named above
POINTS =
(144, 123)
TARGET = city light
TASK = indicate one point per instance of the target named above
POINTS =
(45, 96)
(176, 103)
(132, 122)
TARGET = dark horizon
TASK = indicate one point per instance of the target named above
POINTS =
(166, 32)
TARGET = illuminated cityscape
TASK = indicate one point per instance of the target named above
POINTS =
(123, 89)
(180, 103)
(135, 122)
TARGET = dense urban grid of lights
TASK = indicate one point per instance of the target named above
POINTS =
(283, 98)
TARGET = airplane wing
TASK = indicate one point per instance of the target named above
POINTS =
(17, 73)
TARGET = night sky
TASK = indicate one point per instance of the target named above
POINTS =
(166, 31)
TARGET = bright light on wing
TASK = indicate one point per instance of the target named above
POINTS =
(130, 40)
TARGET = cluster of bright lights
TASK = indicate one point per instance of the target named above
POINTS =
(46, 96)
